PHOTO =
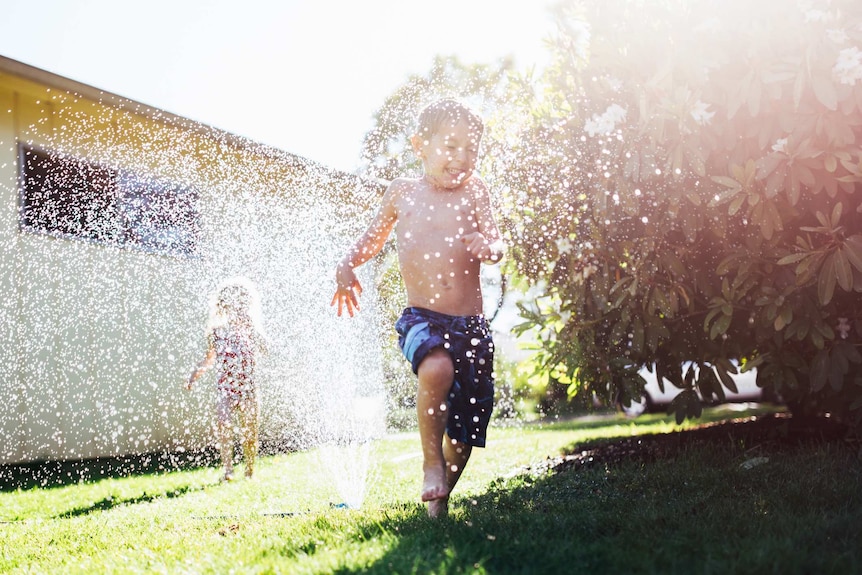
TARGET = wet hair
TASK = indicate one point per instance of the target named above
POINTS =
(235, 297)
(434, 115)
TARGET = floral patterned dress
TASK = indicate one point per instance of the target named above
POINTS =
(235, 361)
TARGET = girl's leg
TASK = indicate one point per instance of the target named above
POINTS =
(436, 374)
(249, 414)
(225, 435)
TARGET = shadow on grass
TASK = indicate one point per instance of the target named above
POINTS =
(602, 419)
(692, 506)
(48, 474)
(59, 473)
(110, 502)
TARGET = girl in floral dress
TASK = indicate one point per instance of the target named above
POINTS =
(235, 338)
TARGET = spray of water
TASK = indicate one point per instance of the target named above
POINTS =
(118, 223)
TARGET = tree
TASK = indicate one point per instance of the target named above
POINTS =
(683, 185)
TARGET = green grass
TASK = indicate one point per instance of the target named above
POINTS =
(701, 512)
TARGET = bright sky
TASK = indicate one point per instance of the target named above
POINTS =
(305, 76)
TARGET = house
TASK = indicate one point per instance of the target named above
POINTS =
(116, 222)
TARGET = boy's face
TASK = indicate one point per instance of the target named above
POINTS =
(449, 155)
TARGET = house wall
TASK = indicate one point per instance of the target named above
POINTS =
(98, 340)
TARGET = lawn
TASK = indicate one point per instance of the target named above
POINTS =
(730, 505)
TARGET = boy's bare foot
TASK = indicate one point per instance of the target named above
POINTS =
(438, 508)
(434, 485)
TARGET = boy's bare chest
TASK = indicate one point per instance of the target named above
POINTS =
(435, 216)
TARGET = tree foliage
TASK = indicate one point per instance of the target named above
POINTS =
(684, 184)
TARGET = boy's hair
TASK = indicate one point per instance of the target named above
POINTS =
(435, 114)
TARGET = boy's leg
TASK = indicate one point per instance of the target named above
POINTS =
(456, 455)
(436, 374)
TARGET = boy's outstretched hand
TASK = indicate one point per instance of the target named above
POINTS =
(348, 291)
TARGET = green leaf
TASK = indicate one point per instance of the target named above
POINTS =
(671, 262)
(727, 182)
(651, 336)
(725, 265)
(852, 249)
(808, 267)
(836, 214)
(824, 221)
(784, 318)
(709, 316)
(819, 371)
(838, 367)
(849, 351)
(725, 378)
(752, 363)
(720, 327)
(817, 339)
(826, 280)
(843, 271)
(792, 258)
(734, 206)
(824, 90)
(638, 336)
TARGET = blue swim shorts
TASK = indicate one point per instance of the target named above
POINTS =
(468, 341)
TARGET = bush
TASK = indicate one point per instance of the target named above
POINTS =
(683, 184)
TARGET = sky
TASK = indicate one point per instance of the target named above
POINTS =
(305, 76)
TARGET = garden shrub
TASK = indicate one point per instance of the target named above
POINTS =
(684, 184)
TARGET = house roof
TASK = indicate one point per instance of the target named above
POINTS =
(63, 84)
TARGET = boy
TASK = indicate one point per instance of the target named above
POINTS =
(445, 230)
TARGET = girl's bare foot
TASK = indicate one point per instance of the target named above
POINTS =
(434, 485)
(438, 508)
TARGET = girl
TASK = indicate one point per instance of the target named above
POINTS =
(234, 340)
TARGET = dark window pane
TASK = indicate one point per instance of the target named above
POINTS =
(159, 215)
(74, 198)
(67, 196)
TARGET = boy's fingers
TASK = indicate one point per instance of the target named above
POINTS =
(346, 301)
(353, 303)
(336, 299)
(347, 298)
(348, 305)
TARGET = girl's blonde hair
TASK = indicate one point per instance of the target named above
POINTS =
(235, 298)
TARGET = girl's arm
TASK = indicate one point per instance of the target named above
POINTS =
(206, 363)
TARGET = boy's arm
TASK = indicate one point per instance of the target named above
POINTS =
(348, 289)
(485, 243)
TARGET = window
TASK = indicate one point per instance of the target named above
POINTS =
(70, 197)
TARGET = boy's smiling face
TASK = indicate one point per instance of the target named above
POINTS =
(449, 156)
